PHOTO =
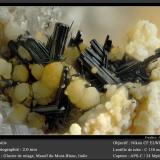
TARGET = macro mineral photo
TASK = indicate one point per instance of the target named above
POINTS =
(79, 70)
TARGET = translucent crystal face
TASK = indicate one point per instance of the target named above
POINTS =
(44, 17)
(13, 129)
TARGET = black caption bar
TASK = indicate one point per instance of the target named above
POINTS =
(80, 148)
(82, 1)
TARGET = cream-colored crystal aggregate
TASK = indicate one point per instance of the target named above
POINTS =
(113, 117)
(142, 40)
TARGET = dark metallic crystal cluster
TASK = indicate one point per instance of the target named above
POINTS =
(92, 58)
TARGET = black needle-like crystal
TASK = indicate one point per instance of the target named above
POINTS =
(58, 111)
(36, 50)
(106, 49)
(76, 41)
(107, 44)
(57, 41)
(40, 53)
(96, 57)
(61, 100)
(135, 70)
